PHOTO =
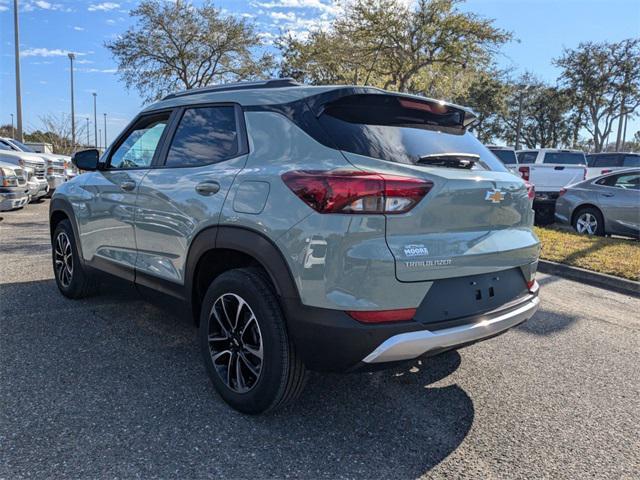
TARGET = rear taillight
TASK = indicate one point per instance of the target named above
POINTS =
(524, 173)
(531, 190)
(562, 192)
(532, 285)
(382, 316)
(605, 171)
(356, 192)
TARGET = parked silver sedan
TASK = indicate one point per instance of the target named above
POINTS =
(608, 204)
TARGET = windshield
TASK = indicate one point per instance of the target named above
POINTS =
(3, 146)
(22, 146)
(508, 157)
(565, 158)
(392, 129)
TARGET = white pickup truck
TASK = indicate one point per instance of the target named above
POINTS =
(549, 170)
(607, 162)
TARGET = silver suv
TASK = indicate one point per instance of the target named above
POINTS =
(332, 228)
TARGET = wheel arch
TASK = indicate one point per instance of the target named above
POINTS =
(218, 249)
(59, 210)
(581, 207)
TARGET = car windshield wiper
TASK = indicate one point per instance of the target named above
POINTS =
(449, 160)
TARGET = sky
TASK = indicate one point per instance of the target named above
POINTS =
(51, 28)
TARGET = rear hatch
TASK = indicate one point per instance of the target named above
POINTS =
(477, 217)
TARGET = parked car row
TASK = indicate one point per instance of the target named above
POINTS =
(597, 194)
(28, 176)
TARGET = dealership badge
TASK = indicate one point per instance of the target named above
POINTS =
(415, 250)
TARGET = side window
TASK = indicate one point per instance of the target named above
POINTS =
(138, 148)
(629, 181)
(527, 157)
(607, 161)
(204, 135)
(631, 161)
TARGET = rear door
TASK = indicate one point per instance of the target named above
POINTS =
(186, 189)
(558, 169)
(619, 200)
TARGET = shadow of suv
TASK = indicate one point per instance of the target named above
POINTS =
(332, 228)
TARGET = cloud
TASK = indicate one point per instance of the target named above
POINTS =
(104, 6)
(46, 52)
(79, 29)
(279, 16)
(97, 70)
(4, 5)
(329, 7)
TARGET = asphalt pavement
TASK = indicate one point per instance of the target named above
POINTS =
(113, 387)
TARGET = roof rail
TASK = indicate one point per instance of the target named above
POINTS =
(272, 83)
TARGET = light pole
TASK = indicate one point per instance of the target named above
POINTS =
(105, 131)
(95, 120)
(519, 121)
(99, 138)
(72, 57)
(13, 133)
(88, 140)
(17, 55)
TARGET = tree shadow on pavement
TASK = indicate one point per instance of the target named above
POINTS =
(111, 386)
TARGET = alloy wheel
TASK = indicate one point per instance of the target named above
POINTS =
(63, 254)
(587, 223)
(235, 342)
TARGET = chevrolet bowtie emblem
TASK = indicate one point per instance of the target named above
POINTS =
(494, 196)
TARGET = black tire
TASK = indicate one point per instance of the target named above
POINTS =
(281, 375)
(589, 221)
(79, 283)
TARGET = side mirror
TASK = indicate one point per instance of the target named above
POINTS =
(86, 159)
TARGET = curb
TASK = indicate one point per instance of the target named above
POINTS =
(602, 280)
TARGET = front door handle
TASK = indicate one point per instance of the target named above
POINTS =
(207, 188)
(608, 194)
(128, 186)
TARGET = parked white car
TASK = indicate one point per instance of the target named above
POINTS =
(14, 192)
(56, 165)
(607, 162)
(38, 187)
(550, 170)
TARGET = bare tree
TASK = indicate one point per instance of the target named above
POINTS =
(176, 46)
(56, 130)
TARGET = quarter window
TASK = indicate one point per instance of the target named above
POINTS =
(631, 161)
(139, 147)
(628, 181)
(204, 135)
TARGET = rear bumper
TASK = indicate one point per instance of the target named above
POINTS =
(407, 346)
(330, 340)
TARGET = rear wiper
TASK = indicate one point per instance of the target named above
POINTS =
(449, 160)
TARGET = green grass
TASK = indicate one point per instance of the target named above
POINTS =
(614, 256)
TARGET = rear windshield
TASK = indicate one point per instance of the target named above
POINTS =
(397, 129)
(508, 157)
(565, 158)
(23, 147)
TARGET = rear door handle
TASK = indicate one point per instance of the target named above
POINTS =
(207, 188)
(128, 186)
